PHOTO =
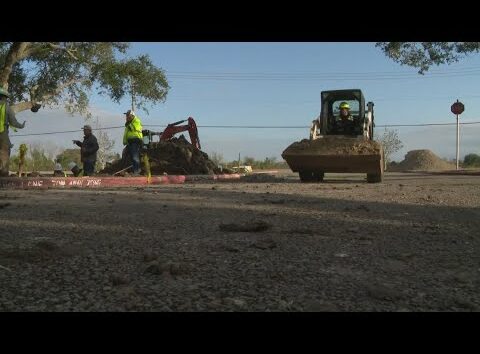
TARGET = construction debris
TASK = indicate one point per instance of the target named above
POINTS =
(173, 157)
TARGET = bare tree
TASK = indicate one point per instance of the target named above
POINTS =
(50, 148)
(391, 144)
(216, 157)
(105, 145)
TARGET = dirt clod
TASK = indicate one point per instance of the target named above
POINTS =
(47, 246)
(256, 226)
(264, 244)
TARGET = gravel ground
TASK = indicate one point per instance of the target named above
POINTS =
(272, 244)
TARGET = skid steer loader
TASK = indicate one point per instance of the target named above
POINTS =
(336, 145)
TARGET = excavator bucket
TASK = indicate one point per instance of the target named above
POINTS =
(337, 154)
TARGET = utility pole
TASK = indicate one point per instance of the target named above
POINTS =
(457, 108)
(132, 90)
(458, 143)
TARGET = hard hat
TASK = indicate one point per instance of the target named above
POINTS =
(4, 92)
(87, 127)
(129, 112)
(344, 105)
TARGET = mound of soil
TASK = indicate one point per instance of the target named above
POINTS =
(333, 145)
(421, 160)
(174, 157)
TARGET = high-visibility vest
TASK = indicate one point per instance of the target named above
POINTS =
(133, 130)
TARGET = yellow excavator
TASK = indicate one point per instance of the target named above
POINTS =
(339, 142)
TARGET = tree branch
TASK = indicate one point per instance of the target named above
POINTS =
(60, 88)
(21, 50)
(15, 54)
(23, 106)
(32, 48)
(68, 51)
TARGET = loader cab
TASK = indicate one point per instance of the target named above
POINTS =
(330, 112)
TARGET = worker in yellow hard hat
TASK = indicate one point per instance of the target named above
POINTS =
(344, 124)
(345, 111)
(132, 138)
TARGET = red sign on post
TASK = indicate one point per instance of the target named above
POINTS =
(457, 108)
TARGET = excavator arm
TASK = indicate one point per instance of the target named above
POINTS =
(174, 128)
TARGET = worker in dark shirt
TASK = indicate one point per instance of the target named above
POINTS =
(88, 152)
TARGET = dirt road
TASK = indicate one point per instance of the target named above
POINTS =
(266, 244)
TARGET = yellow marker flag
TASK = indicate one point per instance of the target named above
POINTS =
(146, 163)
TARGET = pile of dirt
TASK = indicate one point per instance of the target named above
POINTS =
(174, 157)
(421, 160)
(333, 145)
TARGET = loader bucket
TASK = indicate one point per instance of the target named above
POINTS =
(313, 158)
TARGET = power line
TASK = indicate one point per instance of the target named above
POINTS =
(302, 76)
(421, 125)
(320, 74)
(397, 98)
(255, 127)
(294, 79)
(65, 131)
(330, 73)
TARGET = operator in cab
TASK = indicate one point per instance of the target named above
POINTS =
(344, 124)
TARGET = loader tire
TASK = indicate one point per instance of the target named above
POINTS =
(374, 177)
(318, 176)
(305, 176)
(377, 177)
(309, 176)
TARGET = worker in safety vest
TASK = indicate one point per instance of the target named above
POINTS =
(133, 139)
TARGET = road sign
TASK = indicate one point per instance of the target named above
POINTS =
(457, 108)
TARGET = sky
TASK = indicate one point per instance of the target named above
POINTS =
(279, 84)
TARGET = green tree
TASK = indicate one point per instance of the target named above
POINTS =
(15, 161)
(249, 161)
(270, 161)
(391, 144)
(471, 160)
(423, 55)
(53, 73)
(69, 155)
(38, 160)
